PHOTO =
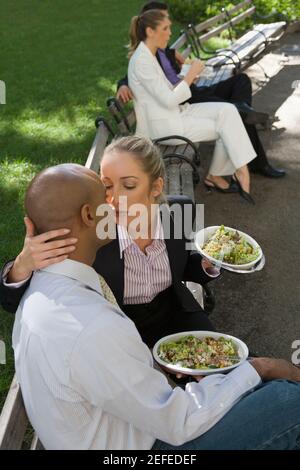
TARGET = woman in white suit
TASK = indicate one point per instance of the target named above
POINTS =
(160, 112)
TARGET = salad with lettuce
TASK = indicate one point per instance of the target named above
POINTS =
(199, 353)
(230, 246)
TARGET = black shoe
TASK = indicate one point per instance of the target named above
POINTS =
(270, 172)
(242, 192)
(250, 115)
(210, 185)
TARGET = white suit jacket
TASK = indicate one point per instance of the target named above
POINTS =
(156, 101)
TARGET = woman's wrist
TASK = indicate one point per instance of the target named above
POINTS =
(189, 79)
(18, 273)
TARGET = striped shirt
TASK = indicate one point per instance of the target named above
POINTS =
(145, 274)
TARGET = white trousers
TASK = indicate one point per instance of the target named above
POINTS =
(221, 122)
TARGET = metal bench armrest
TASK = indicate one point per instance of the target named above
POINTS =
(114, 101)
(196, 157)
(101, 119)
(230, 59)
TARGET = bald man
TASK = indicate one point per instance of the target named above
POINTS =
(87, 378)
(67, 196)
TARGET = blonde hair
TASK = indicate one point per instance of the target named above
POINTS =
(139, 24)
(146, 154)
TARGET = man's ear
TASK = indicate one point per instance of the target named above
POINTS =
(87, 216)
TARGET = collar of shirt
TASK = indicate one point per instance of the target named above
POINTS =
(76, 270)
(125, 240)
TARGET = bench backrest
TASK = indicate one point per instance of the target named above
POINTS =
(124, 116)
(188, 41)
(228, 16)
(198, 34)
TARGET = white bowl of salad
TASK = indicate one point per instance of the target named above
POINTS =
(228, 247)
(200, 352)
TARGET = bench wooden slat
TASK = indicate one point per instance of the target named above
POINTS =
(13, 419)
(131, 118)
(36, 443)
(179, 178)
(216, 31)
(220, 74)
(215, 19)
(186, 52)
(186, 177)
(239, 18)
(97, 149)
(173, 175)
(181, 41)
(210, 22)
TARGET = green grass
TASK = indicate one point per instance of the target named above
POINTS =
(60, 61)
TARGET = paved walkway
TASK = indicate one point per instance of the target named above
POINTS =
(264, 308)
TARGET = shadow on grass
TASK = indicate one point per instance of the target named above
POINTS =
(44, 152)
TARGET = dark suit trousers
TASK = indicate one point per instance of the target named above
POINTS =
(164, 316)
(235, 89)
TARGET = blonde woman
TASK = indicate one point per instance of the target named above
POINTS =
(159, 109)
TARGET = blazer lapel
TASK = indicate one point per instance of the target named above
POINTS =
(171, 245)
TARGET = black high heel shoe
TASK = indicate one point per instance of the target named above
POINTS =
(242, 192)
(233, 187)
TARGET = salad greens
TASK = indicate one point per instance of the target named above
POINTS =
(199, 353)
(230, 246)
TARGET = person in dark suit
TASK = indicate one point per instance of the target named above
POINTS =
(236, 89)
(145, 274)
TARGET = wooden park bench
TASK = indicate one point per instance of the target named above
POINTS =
(181, 160)
(14, 424)
(242, 52)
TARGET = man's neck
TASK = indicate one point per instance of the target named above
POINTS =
(84, 254)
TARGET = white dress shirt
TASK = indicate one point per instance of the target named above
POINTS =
(88, 380)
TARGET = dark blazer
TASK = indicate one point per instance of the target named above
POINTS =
(185, 266)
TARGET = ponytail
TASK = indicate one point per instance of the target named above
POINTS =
(139, 24)
(133, 35)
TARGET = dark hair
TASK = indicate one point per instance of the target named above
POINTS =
(139, 24)
(154, 6)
